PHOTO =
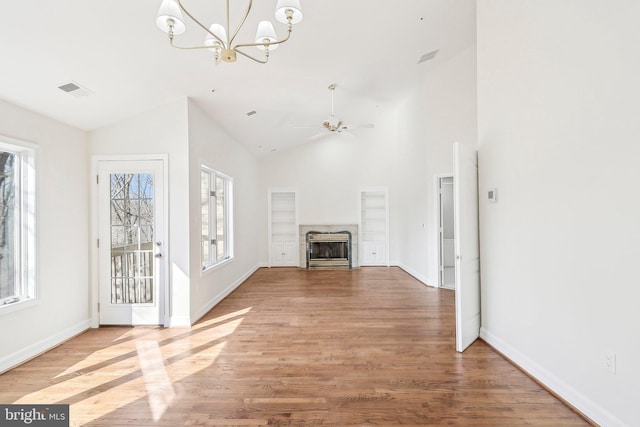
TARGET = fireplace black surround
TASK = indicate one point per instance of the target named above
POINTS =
(347, 230)
(329, 249)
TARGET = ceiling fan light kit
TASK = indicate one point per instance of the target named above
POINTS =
(220, 40)
(333, 124)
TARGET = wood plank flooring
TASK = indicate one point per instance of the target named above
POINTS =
(293, 348)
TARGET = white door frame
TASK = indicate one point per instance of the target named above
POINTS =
(164, 270)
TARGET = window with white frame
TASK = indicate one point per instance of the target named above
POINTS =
(17, 222)
(216, 196)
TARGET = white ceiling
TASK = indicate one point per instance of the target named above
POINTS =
(113, 48)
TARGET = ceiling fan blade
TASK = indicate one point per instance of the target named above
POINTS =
(318, 136)
(304, 127)
(360, 126)
(347, 134)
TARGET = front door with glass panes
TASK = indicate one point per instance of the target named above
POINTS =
(131, 242)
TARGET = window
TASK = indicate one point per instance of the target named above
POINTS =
(217, 218)
(17, 222)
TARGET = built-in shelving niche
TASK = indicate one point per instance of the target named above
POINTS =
(283, 229)
(374, 227)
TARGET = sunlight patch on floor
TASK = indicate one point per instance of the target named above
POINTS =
(99, 357)
(94, 379)
(160, 391)
(219, 319)
(119, 397)
(114, 377)
(123, 341)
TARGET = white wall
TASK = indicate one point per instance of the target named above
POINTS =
(211, 146)
(163, 130)
(440, 112)
(558, 124)
(62, 228)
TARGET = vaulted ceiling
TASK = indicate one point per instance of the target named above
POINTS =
(113, 48)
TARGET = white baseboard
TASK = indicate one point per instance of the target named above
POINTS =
(415, 274)
(589, 408)
(16, 358)
(179, 322)
(222, 295)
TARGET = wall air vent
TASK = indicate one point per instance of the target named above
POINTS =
(74, 89)
(428, 56)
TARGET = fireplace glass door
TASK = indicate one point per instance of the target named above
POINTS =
(329, 250)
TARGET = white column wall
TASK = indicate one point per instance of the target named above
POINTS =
(558, 125)
(211, 146)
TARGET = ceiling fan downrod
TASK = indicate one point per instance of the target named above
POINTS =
(332, 124)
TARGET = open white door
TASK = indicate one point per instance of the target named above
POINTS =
(467, 276)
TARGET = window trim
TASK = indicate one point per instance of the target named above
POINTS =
(25, 223)
(214, 261)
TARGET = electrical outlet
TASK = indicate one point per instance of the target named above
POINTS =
(610, 362)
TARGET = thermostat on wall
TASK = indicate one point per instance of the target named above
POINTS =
(492, 195)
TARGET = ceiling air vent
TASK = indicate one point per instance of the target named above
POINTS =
(74, 89)
(428, 56)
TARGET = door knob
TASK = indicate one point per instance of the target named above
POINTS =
(158, 255)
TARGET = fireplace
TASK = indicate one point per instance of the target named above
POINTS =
(328, 249)
(328, 246)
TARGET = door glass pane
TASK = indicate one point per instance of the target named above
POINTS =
(132, 237)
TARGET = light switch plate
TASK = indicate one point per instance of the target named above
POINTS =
(492, 195)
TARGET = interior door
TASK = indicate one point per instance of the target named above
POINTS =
(467, 275)
(131, 241)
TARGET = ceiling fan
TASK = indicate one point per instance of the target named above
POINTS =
(333, 124)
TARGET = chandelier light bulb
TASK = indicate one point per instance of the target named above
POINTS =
(285, 7)
(220, 32)
(170, 16)
(266, 32)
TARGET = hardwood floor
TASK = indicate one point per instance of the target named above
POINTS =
(293, 347)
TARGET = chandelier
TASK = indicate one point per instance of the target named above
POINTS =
(220, 40)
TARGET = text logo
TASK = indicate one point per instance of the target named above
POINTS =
(34, 415)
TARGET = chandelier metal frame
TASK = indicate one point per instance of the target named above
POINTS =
(170, 21)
